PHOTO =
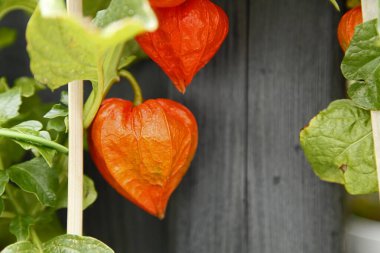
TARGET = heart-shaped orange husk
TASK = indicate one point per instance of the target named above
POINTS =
(144, 151)
(346, 27)
(188, 37)
(165, 3)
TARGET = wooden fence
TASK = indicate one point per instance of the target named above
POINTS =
(249, 188)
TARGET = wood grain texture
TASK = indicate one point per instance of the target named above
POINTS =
(293, 74)
(249, 189)
(208, 212)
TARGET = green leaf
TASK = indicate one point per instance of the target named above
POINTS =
(4, 178)
(36, 177)
(3, 85)
(10, 153)
(77, 244)
(64, 98)
(57, 111)
(20, 227)
(361, 65)
(336, 5)
(89, 193)
(63, 48)
(57, 124)
(10, 102)
(339, 147)
(21, 247)
(48, 230)
(33, 128)
(28, 86)
(57, 116)
(28, 204)
(38, 142)
(10, 5)
(7, 36)
(91, 7)
(6, 238)
(132, 52)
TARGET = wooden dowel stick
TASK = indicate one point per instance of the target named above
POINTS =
(370, 11)
(75, 173)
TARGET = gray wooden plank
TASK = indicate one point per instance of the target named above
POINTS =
(293, 73)
(207, 213)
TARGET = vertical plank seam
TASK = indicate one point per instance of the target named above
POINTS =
(246, 181)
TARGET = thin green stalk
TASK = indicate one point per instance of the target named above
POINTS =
(135, 86)
(33, 139)
(35, 239)
(95, 100)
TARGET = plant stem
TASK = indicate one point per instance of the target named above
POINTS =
(95, 99)
(33, 139)
(36, 240)
(135, 86)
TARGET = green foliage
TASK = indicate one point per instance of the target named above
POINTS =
(339, 146)
(62, 244)
(7, 37)
(35, 176)
(21, 247)
(72, 243)
(4, 178)
(42, 181)
(10, 5)
(361, 65)
(63, 48)
(20, 227)
(10, 102)
(34, 139)
(131, 52)
(91, 7)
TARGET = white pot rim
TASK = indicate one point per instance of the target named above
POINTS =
(362, 235)
(363, 228)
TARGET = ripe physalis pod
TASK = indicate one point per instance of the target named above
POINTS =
(144, 151)
(166, 3)
(347, 24)
(188, 37)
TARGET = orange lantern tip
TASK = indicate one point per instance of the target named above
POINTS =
(181, 85)
(161, 216)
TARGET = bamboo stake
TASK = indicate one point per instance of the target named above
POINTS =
(75, 173)
(370, 11)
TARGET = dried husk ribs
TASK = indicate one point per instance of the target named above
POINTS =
(144, 151)
(347, 24)
(188, 36)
